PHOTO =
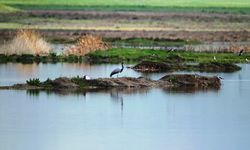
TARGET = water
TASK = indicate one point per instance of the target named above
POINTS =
(145, 119)
(12, 73)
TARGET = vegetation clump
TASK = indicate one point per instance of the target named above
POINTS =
(26, 42)
(87, 44)
(79, 81)
(33, 82)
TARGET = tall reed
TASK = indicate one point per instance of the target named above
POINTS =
(26, 41)
(87, 44)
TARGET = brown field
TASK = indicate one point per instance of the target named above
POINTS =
(70, 25)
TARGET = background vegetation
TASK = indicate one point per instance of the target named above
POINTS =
(225, 6)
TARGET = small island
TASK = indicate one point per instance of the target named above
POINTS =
(168, 82)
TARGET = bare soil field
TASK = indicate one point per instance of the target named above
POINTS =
(162, 25)
(70, 35)
(133, 15)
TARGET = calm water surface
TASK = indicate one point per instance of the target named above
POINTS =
(147, 119)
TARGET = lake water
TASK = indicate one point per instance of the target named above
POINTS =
(151, 119)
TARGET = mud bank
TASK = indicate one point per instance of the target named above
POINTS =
(174, 81)
(149, 66)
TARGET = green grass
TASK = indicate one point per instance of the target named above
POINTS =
(171, 3)
(7, 9)
(129, 56)
(222, 6)
(135, 55)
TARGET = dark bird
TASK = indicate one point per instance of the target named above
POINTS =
(241, 52)
(116, 71)
(220, 77)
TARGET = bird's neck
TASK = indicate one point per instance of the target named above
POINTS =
(122, 68)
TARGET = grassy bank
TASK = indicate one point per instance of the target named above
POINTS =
(52, 58)
(135, 55)
(224, 10)
(7, 9)
(130, 56)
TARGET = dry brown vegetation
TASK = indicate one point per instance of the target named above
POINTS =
(222, 47)
(87, 44)
(26, 42)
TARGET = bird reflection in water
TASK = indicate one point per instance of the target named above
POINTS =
(117, 98)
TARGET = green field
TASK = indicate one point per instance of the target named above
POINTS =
(130, 55)
(166, 3)
(135, 55)
(224, 6)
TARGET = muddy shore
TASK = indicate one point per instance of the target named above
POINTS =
(174, 81)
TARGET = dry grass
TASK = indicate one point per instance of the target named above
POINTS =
(26, 42)
(222, 47)
(87, 44)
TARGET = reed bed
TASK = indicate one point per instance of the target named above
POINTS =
(87, 44)
(26, 42)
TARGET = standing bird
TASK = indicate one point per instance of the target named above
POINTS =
(241, 52)
(116, 71)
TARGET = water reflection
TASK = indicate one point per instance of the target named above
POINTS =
(114, 92)
(117, 98)
(126, 118)
(190, 90)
